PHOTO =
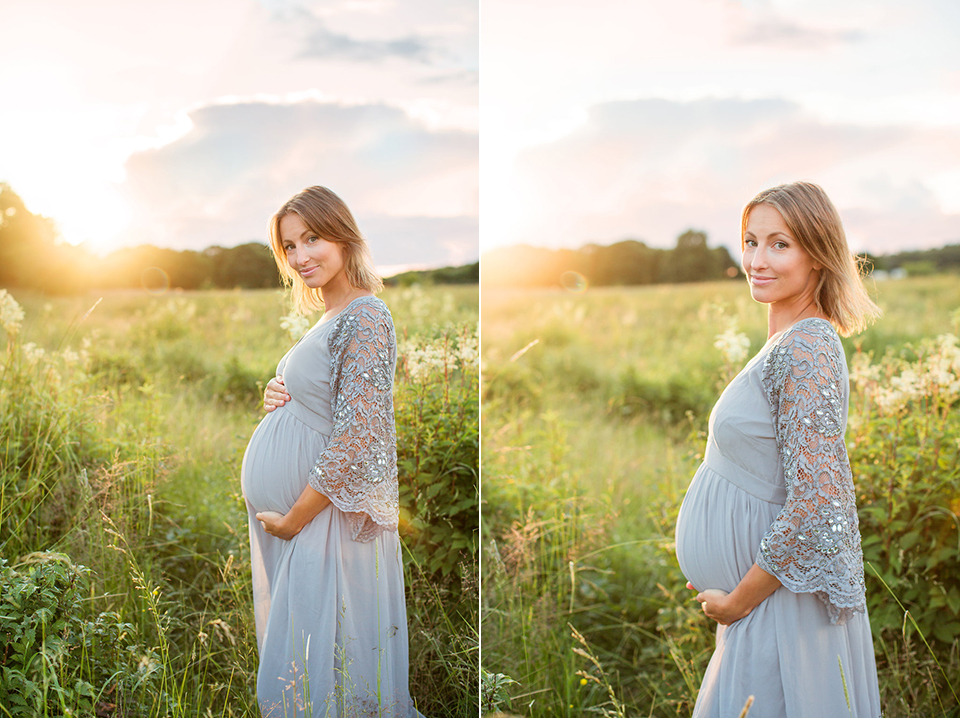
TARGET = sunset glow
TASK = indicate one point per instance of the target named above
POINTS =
(189, 134)
(642, 120)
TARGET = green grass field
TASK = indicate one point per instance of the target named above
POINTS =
(594, 413)
(124, 419)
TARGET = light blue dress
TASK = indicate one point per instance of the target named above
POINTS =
(329, 603)
(775, 488)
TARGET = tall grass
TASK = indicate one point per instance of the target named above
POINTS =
(120, 514)
(595, 409)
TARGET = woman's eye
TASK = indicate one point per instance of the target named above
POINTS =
(311, 239)
(287, 247)
(780, 245)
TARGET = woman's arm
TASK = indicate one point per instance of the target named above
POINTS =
(288, 525)
(813, 545)
(726, 608)
(357, 469)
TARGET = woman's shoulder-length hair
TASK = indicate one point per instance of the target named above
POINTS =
(326, 214)
(815, 223)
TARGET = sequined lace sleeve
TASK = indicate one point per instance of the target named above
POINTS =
(813, 546)
(358, 469)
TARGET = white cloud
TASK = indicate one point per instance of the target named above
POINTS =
(413, 190)
(105, 91)
(652, 168)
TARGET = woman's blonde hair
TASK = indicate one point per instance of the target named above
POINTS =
(815, 223)
(326, 214)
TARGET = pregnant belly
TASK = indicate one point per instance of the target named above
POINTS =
(719, 530)
(278, 460)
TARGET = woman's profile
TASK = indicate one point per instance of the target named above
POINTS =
(768, 532)
(320, 480)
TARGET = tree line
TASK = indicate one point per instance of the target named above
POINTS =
(632, 262)
(623, 263)
(31, 257)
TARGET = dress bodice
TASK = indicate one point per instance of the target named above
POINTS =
(741, 445)
(306, 375)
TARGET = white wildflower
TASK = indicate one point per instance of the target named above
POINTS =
(733, 344)
(908, 384)
(862, 371)
(423, 360)
(900, 390)
(294, 325)
(32, 352)
(942, 368)
(949, 350)
(888, 399)
(469, 351)
(11, 313)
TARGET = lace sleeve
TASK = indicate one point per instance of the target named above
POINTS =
(358, 469)
(813, 546)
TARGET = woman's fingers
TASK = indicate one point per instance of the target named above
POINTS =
(690, 586)
(268, 520)
(275, 394)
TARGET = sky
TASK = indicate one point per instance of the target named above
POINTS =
(186, 123)
(615, 119)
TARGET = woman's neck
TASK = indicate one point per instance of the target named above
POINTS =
(779, 318)
(336, 298)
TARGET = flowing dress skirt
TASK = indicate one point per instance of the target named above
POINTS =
(330, 613)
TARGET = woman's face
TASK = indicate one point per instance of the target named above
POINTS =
(318, 261)
(778, 269)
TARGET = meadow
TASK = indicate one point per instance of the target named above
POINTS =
(594, 407)
(124, 563)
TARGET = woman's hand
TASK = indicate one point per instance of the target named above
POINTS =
(276, 524)
(726, 608)
(275, 394)
(720, 606)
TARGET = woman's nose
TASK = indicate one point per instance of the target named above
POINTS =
(758, 259)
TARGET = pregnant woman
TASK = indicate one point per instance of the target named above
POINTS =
(320, 481)
(768, 532)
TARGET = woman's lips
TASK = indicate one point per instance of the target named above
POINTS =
(307, 272)
(759, 281)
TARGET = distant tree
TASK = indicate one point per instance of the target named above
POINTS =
(627, 262)
(690, 261)
(464, 274)
(27, 240)
(248, 265)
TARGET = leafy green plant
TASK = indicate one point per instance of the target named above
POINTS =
(493, 690)
(905, 453)
(56, 661)
(437, 414)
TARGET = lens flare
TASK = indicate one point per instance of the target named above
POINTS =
(155, 280)
(573, 282)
